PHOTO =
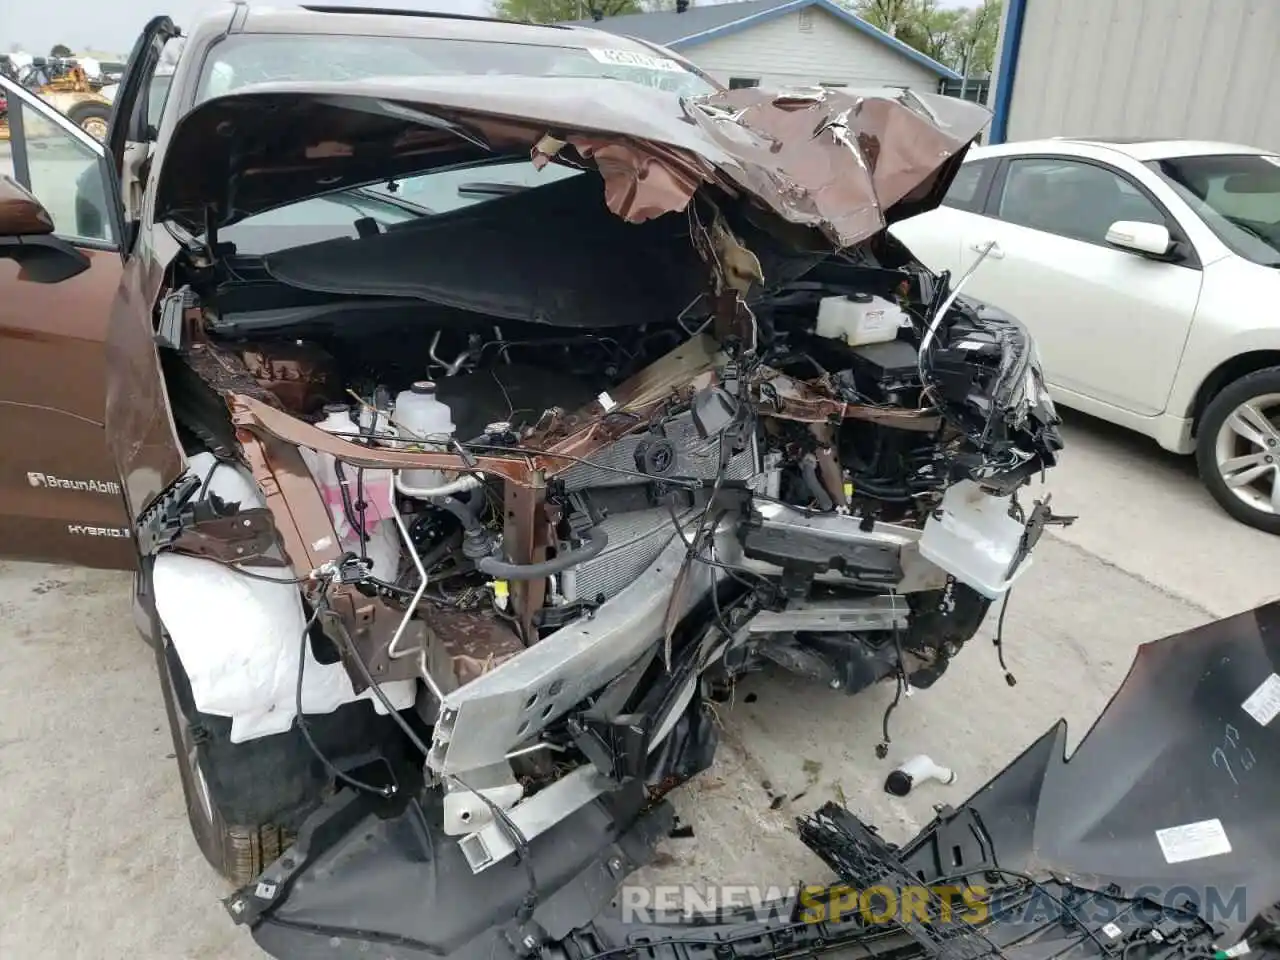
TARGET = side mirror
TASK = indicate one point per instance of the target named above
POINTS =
(21, 214)
(1148, 239)
(26, 235)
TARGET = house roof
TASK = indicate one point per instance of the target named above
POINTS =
(699, 24)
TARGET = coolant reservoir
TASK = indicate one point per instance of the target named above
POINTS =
(426, 421)
(859, 319)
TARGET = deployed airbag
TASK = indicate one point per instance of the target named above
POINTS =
(238, 637)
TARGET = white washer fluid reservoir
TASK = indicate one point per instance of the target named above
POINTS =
(973, 538)
(859, 319)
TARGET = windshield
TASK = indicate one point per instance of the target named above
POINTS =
(410, 198)
(246, 59)
(257, 58)
(1237, 196)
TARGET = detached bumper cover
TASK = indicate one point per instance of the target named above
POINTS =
(1161, 832)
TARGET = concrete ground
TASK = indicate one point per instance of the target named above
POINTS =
(98, 861)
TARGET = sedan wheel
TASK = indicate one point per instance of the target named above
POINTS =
(1238, 449)
(1246, 449)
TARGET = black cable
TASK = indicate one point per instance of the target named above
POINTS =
(1009, 678)
(901, 682)
(518, 839)
(733, 571)
(715, 588)
(694, 547)
(361, 509)
(361, 505)
(482, 448)
(333, 771)
(348, 509)
(259, 576)
(204, 487)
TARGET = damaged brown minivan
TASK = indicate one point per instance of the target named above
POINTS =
(476, 402)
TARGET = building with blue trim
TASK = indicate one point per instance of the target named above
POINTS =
(1190, 69)
(778, 43)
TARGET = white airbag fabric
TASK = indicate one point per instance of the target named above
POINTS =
(239, 638)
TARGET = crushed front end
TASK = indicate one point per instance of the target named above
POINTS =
(531, 483)
(1155, 840)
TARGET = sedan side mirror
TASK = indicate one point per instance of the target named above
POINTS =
(1148, 239)
(21, 214)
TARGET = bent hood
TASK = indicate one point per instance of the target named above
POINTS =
(842, 163)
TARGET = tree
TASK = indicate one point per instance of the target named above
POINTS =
(958, 38)
(557, 11)
(60, 50)
(979, 31)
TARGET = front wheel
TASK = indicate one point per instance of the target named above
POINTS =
(1238, 449)
(241, 848)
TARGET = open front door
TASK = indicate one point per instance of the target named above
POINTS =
(65, 235)
(60, 497)
(136, 111)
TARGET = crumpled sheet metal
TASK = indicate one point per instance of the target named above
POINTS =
(833, 160)
(816, 402)
(641, 181)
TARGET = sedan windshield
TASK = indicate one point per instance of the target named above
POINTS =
(256, 58)
(1237, 196)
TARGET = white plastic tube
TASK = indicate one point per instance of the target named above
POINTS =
(918, 769)
(468, 481)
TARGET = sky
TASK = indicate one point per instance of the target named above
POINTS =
(111, 26)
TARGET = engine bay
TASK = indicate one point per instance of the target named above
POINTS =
(555, 505)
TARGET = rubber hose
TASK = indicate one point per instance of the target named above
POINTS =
(597, 540)
(460, 510)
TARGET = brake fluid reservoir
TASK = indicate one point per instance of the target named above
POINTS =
(427, 422)
(859, 319)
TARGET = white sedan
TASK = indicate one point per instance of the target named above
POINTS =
(1149, 273)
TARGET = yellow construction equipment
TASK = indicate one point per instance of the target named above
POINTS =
(63, 84)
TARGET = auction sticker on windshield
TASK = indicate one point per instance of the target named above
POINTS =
(629, 58)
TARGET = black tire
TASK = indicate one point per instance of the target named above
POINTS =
(238, 851)
(246, 801)
(1248, 387)
(90, 112)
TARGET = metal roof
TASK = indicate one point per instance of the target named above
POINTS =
(699, 24)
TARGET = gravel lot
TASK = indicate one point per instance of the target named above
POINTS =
(98, 861)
